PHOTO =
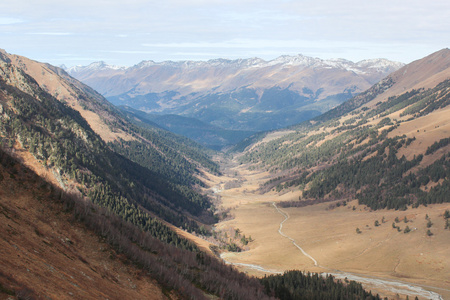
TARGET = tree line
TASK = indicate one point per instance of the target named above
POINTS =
(293, 285)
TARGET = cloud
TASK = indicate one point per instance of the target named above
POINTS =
(170, 29)
(238, 44)
(130, 51)
(10, 21)
(50, 33)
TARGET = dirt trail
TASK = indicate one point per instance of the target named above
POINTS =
(396, 287)
(286, 217)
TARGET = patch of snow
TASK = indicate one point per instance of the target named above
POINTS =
(95, 66)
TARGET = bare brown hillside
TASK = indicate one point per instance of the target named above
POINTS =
(423, 73)
(45, 254)
(70, 91)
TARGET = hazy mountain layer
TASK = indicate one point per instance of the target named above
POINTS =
(203, 133)
(245, 94)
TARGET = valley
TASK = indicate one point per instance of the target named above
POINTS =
(224, 150)
(385, 260)
(359, 192)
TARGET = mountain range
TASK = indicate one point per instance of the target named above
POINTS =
(248, 95)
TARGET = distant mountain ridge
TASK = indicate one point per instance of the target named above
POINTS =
(243, 94)
(363, 66)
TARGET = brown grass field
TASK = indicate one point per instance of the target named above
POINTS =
(329, 236)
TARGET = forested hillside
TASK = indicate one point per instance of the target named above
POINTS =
(386, 150)
(297, 285)
(60, 139)
(180, 268)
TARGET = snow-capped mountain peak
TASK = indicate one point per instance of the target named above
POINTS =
(380, 64)
(284, 61)
(95, 66)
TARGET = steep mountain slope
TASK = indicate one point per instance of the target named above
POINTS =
(45, 253)
(62, 142)
(384, 148)
(80, 97)
(422, 74)
(245, 94)
(102, 117)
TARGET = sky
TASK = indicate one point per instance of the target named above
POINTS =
(125, 33)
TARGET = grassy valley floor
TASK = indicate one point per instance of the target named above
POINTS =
(328, 236)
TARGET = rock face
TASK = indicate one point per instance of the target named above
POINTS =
(244, 94)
